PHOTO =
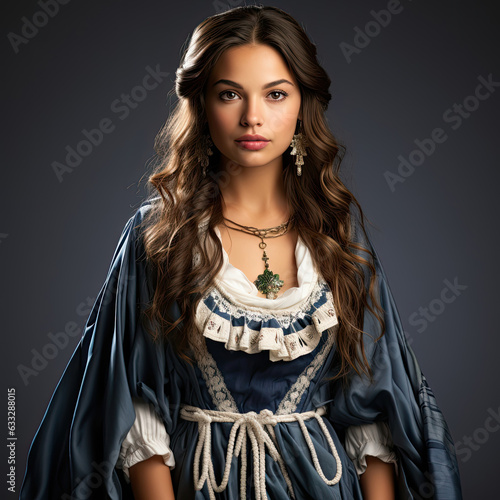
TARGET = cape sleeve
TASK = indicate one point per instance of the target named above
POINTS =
(401, 397)
(76, 448)
(369, 439)
(147, 437)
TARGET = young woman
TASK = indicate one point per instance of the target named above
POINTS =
(245, 343)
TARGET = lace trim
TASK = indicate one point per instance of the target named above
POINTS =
(222, 397)
(214, 380)
(281, 315)
(292, 398)
(285, 333)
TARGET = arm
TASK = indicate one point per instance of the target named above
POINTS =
(146, 457)
(377, 482)
(151, 480)
(371, 448)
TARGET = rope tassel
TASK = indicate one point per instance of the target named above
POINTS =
(259, 427)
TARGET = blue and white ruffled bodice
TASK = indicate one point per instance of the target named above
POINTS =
(289, 340)
(288, 326)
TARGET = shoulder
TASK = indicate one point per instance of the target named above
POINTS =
(142, 216)
(145, 209)
(132, 235)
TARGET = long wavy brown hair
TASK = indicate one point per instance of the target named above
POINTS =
(183, 198)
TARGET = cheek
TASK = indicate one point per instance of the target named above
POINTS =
(221, 120)
(284, 119)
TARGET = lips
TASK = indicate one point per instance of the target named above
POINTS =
(250, 137)
(252, 142)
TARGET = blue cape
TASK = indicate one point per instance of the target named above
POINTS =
(75, 450)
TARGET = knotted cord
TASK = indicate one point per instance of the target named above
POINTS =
(254, 425)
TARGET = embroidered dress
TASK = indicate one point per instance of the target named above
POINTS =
(254, 411)
(225, 316)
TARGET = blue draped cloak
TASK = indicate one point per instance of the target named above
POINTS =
(76, 448)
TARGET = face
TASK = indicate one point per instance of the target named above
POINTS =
(251, 91)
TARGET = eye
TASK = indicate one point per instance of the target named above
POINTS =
(227, 92)
(274, 92)
(279, 92)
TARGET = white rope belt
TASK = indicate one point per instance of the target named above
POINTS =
(253, 425)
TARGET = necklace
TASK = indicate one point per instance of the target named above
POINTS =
(267, 282)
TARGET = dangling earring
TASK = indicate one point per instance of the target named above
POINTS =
(299, 144)
(204, 152)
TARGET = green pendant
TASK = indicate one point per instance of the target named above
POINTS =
(268, 283)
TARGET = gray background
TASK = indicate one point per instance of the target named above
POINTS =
(57, 238)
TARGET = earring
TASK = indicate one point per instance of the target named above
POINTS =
(299, 144)
(204, 152)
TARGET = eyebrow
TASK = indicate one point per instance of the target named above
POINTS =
(266, 86)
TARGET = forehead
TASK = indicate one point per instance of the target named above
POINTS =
(253, 63)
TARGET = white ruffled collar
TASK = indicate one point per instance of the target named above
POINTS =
(288, 327)
(234, 281)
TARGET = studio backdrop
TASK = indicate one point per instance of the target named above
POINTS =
(416, 100)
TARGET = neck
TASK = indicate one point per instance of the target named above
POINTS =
(254, 196)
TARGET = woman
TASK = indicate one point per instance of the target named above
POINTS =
(245, 343)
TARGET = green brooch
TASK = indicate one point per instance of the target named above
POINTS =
(268, 282)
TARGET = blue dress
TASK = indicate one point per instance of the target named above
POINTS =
(269, 425)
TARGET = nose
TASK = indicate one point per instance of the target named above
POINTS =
(252, 113)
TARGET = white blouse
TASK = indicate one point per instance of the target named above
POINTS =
(148, 436)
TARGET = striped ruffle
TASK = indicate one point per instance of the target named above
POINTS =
(285, 333)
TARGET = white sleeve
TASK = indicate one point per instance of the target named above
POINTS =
(147, 437)
(369, 439)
